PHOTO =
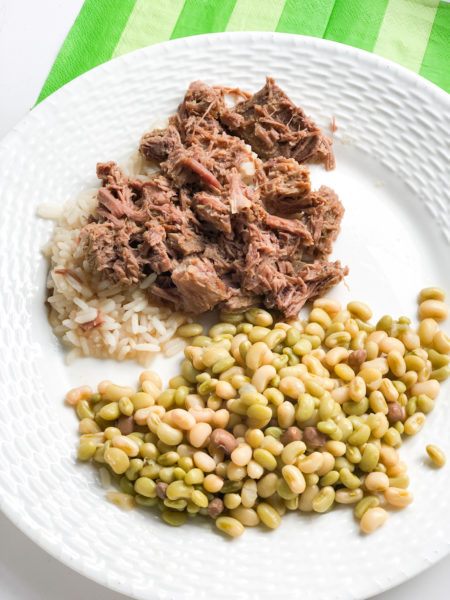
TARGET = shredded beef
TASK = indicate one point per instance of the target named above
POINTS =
(219, 226)
(284, 185)
(271, 123)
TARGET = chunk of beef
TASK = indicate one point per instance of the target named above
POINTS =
(163, 291)
(198, 285)
(240, 301)
(212, 210)
(185, 243)
(284, 185)
(190, 166)
(323, 221)
(290, 226)
(156, 192)
(321, 276)
(154, 251)
(331, 222)
(108, 251)
(271, 123)
(201, 100)
(159, 143)
(111, 174)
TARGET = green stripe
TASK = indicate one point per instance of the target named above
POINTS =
(356, 23)
(90, 42)
(308, 17)
(203, 16)
(405, 31)
(149, 23)
(255, 15)
(436, 60)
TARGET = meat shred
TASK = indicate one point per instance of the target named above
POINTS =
(219, 225)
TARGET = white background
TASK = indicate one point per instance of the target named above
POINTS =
(31, 33)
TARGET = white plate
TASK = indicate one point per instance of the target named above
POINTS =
(392, 176)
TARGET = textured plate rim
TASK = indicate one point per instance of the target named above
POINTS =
(43, 110)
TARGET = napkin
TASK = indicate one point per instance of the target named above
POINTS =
(413, 33)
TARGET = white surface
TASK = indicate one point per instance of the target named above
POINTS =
(31, 34)
(27, 572)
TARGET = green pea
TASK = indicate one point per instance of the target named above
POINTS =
(326, 407)
(126, 406)
(230, 487)
(404, 320)
(314, 340)
(440, 374)
(273, 338)
(353, 454)
(392, 437)
(334, 328)
(87, 449)
(174, 517)
(201, 341)
(302, 347)
(244, 328)
(330, 478)
(151, 469)
(259, 317)
(180, 395)
(284, 491)
(144, 501)
(385, 324)
(83, 410)
(126, 486)
(437, 360)
(136, 464)
(274, 432)
(425, 403)
(274, 396)
(280, 361)
(363, 326)
(399, 427)
(275, 381)
(168, 458)
(189, 330)
(342, 463)
(350, 480)
(411, 406)
(203, 377)
(176, 381)
(356, 408)
(306, 407)
(222, 329)
(232, 317)
(207, 387)
(167, 398)
(363, 505)
(223, 365)
(399, 386)
(360, 435)
(292, 336)
(244, 347)
(292, 358)
(188, 371)
(144, 486)
(370, 458)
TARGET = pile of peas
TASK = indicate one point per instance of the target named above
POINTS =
(268, 417)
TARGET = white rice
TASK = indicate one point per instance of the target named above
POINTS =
(132, 328)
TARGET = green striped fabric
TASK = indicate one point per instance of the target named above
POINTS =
(413, 33)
